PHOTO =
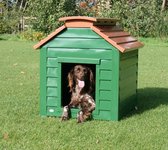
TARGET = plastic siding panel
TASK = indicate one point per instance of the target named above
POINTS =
(105, 95)
(79, 53)
(106, 85)
(43, 82)
(52, 82)
(51, 101)
(97, 88)
(128, 84)
(115, 81)
(79, 43)
(59, 90)
(105, 105)
(124, 94)
(105, 74)
(52, 91)
(128, 81)
(128, 72)
(78, 60)
(106, 64)
(52, 72)
(52, 62)
(124, 64)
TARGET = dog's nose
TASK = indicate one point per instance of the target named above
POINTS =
(81, 74)
(82, 77)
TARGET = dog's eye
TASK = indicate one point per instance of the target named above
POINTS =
(78, 69)
(84, 70)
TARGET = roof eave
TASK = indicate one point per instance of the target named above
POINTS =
(49, 37)
(118, 46)
(132, 48)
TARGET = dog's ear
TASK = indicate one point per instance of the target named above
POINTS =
(71, 80)
(91, 78)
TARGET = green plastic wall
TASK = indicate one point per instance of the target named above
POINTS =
(128, 82)
(82, 45)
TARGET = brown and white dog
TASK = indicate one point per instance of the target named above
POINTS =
(80, 82)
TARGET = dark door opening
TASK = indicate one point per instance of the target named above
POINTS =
(65, 69)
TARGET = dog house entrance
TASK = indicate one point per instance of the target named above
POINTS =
(66, 67)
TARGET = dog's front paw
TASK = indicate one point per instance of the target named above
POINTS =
(65, 114)
(80, 117)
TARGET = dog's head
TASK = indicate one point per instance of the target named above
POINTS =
(82, 76)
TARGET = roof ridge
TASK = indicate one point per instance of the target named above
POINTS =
(93, 19)
(78, 18)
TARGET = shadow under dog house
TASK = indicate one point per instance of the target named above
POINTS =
(110, 52)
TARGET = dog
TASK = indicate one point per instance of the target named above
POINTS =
(81, 83)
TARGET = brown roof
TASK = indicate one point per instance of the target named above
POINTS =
(104, 27)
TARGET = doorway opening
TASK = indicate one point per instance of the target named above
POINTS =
(65, 69)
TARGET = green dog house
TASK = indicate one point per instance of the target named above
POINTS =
(111, 53)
